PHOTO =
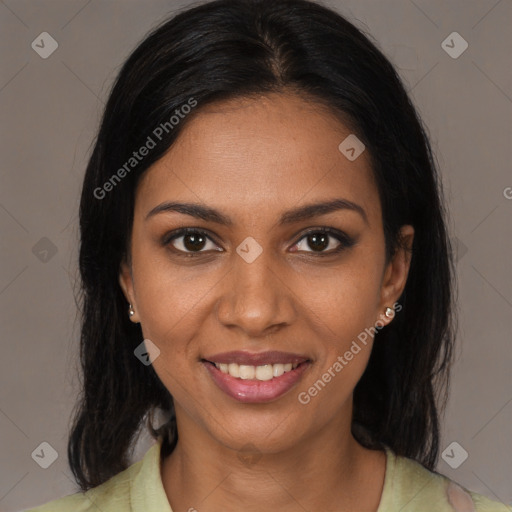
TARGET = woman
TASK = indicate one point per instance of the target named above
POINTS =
(265, 262)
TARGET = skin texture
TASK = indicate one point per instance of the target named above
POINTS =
(253, 159)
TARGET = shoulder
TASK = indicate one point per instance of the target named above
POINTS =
(410, 487)
(112, 496)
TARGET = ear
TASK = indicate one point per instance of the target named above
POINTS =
(126, 283)
(396, 272)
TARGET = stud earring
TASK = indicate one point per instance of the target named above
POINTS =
(390, 312)
(131, 311)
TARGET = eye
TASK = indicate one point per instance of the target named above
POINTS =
(324, 241)
(190, 241)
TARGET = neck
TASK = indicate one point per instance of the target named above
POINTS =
(329, 470)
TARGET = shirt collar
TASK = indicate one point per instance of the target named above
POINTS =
(147, 493)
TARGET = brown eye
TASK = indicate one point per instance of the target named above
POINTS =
(194, 242)
(324, 241)
(190, 241)
(318, 241)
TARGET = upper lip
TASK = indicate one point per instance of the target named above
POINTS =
(256, 359)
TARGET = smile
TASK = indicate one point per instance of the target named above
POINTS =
(256, 384)
(264, 372)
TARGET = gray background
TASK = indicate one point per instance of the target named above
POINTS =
(50, 109)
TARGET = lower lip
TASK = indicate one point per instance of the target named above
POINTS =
(253, 390)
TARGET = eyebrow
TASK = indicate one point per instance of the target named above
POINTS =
(290, 217)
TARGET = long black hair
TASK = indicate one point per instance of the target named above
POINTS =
(238, 48)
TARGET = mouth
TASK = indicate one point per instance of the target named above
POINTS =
(256, 383)
(249, 372)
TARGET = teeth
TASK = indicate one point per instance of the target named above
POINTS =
(277, 370)
(264, 372)
(247, 372)
(234, 370)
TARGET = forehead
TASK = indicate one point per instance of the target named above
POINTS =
(256, 155)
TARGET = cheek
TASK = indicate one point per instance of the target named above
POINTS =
(342, 310)
(170, 299)
(346, 340)
(342, 302)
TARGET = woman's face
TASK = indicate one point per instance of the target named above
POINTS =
(252, 280)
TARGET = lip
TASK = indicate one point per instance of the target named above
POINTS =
(256, 359)
(253, 390)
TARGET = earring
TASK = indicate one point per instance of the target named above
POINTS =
(131, 311)
(390, 312)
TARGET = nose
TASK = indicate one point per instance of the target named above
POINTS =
(255, 298)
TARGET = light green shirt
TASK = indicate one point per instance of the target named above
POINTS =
(408, 487)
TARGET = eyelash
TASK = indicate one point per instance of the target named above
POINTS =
(345, 241)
